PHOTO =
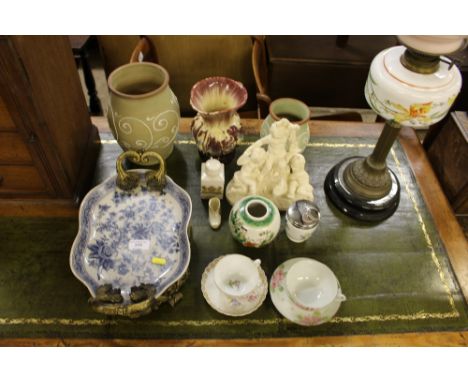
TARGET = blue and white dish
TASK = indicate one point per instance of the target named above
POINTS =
(120, 232)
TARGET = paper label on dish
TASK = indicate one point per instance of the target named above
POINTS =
(142, 245)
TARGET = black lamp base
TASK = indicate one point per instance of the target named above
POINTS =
(370, 210)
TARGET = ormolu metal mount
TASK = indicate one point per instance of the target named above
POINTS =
(110, 301)
(155, 179)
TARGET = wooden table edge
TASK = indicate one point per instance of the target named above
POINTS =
(453, 338)
(447, 225)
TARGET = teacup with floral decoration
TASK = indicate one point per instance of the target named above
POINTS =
(312, 285)
(238, 278)
(305, 291)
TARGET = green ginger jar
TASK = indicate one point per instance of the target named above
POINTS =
(254, 221)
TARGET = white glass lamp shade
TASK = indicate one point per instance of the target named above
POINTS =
(409, 98)
(433, 44)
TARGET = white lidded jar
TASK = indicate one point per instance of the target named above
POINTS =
(212, 179)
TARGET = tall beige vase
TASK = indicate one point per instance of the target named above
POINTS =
(143, 111)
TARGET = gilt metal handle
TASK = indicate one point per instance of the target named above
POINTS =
(155, 179)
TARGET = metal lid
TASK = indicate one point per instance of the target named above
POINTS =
(303, 214)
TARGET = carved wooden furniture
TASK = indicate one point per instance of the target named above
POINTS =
(447, 151)
(188, 59)
(80, 45)
(48, 145)
(260, 71)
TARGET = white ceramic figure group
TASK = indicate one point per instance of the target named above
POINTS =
(277, 173)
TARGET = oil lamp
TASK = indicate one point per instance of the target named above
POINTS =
(414, 85)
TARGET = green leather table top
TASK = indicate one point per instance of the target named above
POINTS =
(395, 274)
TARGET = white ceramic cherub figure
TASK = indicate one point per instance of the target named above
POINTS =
(277, 183)
(246, 180)
(281, 144)
(298, 182)
(271, 173)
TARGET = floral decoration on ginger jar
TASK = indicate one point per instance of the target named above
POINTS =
(409, 98)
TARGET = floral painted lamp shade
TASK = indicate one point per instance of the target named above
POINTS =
(414, 98)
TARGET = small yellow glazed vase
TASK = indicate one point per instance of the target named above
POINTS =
(143, 111)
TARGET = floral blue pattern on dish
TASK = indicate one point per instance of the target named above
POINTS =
(121, 231)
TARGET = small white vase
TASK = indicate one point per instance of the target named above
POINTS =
(254, 221)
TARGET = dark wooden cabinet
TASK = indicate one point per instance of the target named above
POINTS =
(48, 145)
(447, 150)
(325, 71)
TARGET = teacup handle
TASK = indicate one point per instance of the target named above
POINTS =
(340, 297)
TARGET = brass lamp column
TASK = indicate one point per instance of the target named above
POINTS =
(369, 177)
(408, 86)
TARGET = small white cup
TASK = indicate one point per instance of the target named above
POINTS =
(312, 285)
(237, 276)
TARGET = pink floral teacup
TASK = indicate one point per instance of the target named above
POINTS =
(311, 285)
(238, 278)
